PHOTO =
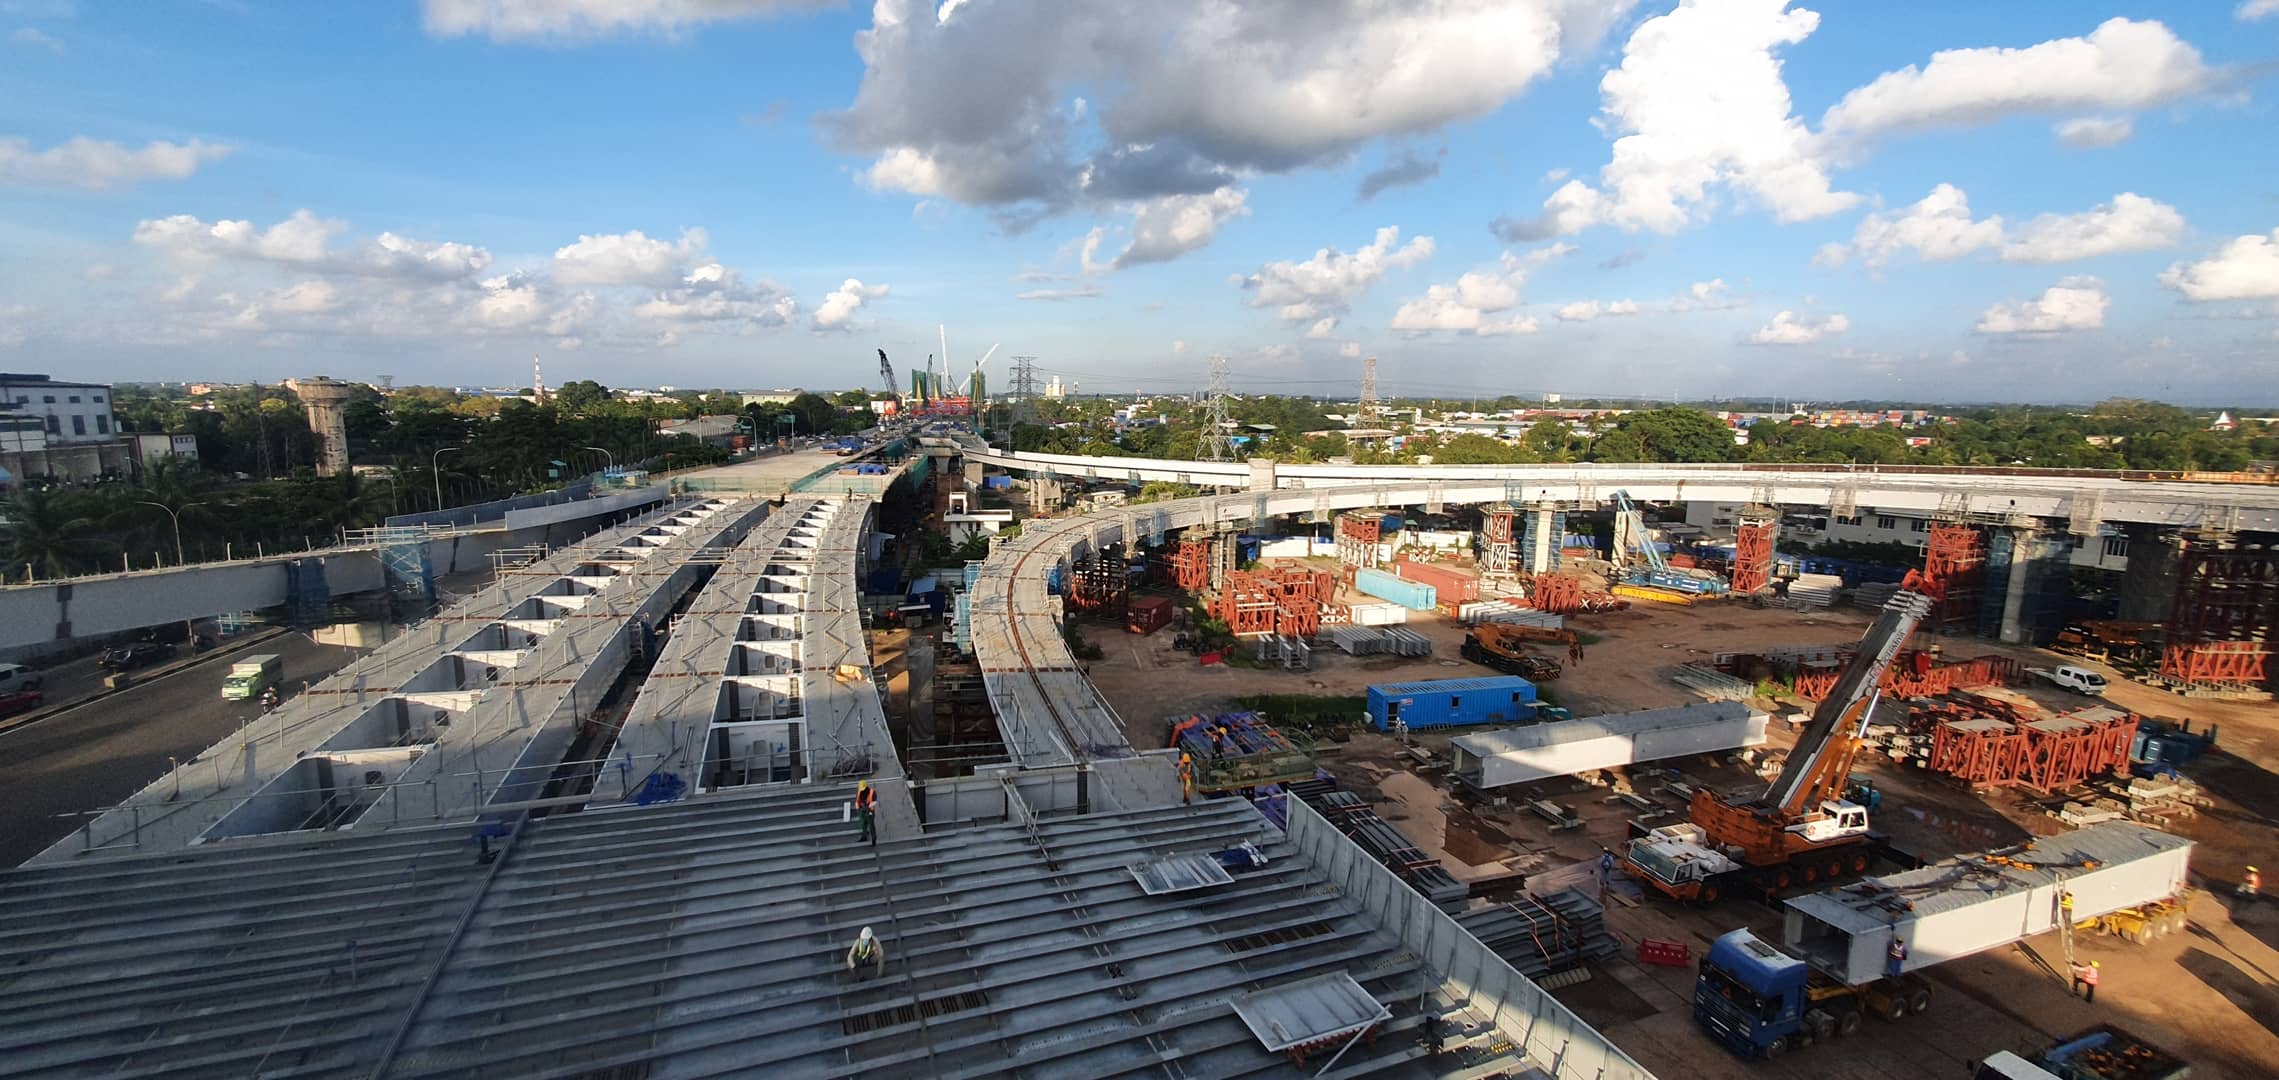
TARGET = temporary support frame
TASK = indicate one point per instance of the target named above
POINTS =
(2227, 598)
(1955, 557)
(1753, 552)
(1499, 541)
(1357, 535)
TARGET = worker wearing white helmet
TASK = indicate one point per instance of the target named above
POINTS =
(866, 950)
(2250, 884)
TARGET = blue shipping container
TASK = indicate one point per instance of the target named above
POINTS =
(1503, 699)
(1413, 595)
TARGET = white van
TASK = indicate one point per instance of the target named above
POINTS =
(17, 677)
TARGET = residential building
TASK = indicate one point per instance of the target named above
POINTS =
(151, 447)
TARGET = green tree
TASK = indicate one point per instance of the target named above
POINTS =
(49, 533)
(579, 397)
(1679, 434)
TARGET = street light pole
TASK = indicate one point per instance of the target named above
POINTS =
(178, 559)
(608, 457)
(435, 466)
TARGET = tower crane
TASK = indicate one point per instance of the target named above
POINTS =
(1801, 829)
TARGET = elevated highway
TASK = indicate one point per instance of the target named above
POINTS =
(2080, 498)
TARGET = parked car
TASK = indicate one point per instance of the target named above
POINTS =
(19, 701)
(2080, 680)
(139, 654)
(15, 677)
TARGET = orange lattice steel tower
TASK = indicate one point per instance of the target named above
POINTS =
(1955, 557)
(1753, 553)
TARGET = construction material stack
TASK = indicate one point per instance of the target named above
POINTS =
(1544, 936)
(1357, 535)
(1350, 815)
(1235, 751)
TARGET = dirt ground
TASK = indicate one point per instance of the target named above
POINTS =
(2210, 994)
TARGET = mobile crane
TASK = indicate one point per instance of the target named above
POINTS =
(1499, 645)
(1802, 829)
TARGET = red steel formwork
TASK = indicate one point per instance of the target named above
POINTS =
(1981, 751)
(1753, 554)
(1955, 557)
(1247, 604)
(2066, 751)
(1190, 565)
(1357, 536)
(1101, 585)
(1556, 593)
(1915, 673)
(2227, 598)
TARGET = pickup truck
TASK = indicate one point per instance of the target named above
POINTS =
(2078, 679)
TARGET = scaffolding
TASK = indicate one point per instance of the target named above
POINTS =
(2227, 598)
(1753, 552)
(1102, 585)
(1955, 557)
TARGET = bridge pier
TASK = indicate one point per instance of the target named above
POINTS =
(1262, 476)
(2148, 584)
(2023, 541)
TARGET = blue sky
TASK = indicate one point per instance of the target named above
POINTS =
(2017, 201)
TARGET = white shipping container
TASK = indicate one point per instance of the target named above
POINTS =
(1562, 748)
(1379, 614)
(1974, 903)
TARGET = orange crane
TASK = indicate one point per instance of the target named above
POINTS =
(1801, 829)
(1502, 647)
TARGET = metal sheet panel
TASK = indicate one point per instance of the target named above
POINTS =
(1521, 755)
(1310, 1010)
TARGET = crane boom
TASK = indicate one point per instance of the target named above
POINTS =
(886, 372)
(1822, 760)
(1630, 513)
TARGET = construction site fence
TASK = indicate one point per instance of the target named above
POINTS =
(1554, 1039)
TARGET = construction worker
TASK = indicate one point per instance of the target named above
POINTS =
(1575, 652)
(2085, 980)
(1186, 777)
(866, 808)
(1895, 957)
(2250, 884)
(866, 950)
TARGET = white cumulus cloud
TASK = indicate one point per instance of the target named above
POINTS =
(31, 38)
(838, 308)
(1789, 328)
(2247, 268)
(2076, 303)
(1936, 229)
(2130, 222)
(301, 238)
(1468, 304)
(2121, 65)
(525, 20)
(1698, 103)
(2251, 10)
(1166, 228)
(1331, 280)
(1587, 310)
(627, 258)
(96, 164)
(2093, 132)
(1178, 97)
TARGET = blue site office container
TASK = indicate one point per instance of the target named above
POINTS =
(1413, 595)
(1436, 703)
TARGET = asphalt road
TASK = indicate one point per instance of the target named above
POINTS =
(92, 756)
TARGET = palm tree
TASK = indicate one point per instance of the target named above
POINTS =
(49, 532)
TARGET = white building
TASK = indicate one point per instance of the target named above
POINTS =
(74, 413)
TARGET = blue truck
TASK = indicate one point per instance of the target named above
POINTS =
(1761, 1002)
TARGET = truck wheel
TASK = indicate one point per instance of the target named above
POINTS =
(1709, 892)
(1783, 879)
(1849, 1023)
(1919, 1002)
(1811, 874)
(1823, 1026)
(2142, 933)
(1835, 868)
(1895, 1009)
(1859, 864)
(1776, 1048)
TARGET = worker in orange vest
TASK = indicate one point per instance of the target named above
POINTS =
(866, 808)
(2250, 884)
(2085, 980)
(1186, 777)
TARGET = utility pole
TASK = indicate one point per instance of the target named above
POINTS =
(1214, 445)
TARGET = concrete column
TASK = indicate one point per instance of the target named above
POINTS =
(1262, 474)
(2023, 542)
(1546, 546)
(973, 474)
(2148, 585)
